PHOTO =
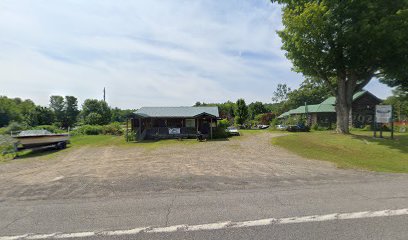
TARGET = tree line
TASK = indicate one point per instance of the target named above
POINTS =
(62, 112)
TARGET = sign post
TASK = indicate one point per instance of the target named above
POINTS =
(383, 114)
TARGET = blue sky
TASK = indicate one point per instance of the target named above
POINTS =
(146, 53)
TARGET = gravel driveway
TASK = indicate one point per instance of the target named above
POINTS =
(241, 163)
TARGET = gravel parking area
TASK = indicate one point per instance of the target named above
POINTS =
(240, 163)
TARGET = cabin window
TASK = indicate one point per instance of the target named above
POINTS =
(190, 123)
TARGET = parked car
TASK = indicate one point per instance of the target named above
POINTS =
(298, 128)
(281, 127)
(262, 126)
(232, 131)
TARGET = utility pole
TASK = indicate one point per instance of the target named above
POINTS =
(104, 95)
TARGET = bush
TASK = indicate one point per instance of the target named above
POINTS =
(224, 123)
(7, 147)
(93, 118)
(112, 129)
(87, 130)
(50, 128)
(14, 127)
(219, 132)
(315, 126)
(132, 136)
(274, 122)
(367, 128)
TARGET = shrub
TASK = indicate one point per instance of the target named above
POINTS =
(14, 127)
(219, 132)
(7, 147)
(87, 130)
(367, 128)
(132, 136)
(93, 118)
(224, 123)
(112, 129)
(315, 126)
(50, 128)
(274, 122)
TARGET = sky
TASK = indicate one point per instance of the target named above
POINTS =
(146, 53)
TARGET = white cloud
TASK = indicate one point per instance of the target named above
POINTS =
(174, 52)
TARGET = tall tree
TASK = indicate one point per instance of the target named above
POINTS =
(256, 108)
(241, 112)
(40, 116)
(310, 92)
(345, 43)
(71, 111)
(281, 93)
(57, 105)
(98, 107)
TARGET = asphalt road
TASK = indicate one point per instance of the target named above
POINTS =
(94, 215)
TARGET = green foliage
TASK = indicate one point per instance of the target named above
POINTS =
(14, 127)
(65, 110)
(219, 132)
(112, 129)
(281, 93)
(57, 106)
(256, 108)
(94, 107)
(87, 130)
(93, 118)
(226, 110)
(40, 116)
(50, 128)
(295, 119)
(241, 112)
(224, 123)
(120, 115)
(310, 92)
(345, 43)
(14, 109)
(274, 122)
(399, 102)
(264, 118)
(7, 147)
(71, 111)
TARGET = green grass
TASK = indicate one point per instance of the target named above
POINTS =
(97, 140)
(358, 150)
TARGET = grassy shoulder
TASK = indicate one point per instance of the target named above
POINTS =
(358, 150)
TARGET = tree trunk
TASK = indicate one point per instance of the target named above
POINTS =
(344, 99)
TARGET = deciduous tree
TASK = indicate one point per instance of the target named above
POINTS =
(346, 43)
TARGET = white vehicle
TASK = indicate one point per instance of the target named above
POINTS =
(281, 127)
(232, 131)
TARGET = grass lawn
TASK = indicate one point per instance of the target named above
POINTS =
(358, 150)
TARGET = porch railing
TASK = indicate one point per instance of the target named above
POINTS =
(163, 132)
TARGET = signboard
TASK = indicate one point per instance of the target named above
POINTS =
(383, 113)
(174, 131)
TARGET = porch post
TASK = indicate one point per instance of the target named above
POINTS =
(140, 128)
(211, 135)
(127, 129)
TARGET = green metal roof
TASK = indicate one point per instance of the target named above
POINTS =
(318, 108)
(332, 100)
(173, 112)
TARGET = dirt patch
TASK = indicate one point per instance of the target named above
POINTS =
(239, 163)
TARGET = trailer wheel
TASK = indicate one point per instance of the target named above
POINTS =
(61, 145)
